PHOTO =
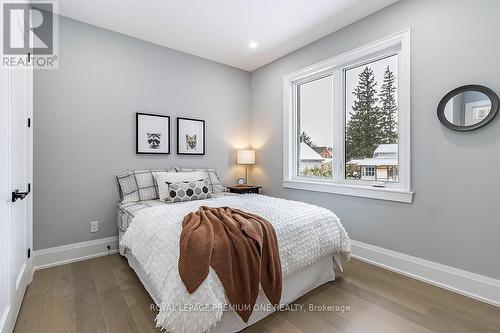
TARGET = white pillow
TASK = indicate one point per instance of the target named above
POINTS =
(163, 178)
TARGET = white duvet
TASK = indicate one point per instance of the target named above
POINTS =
(305, 233)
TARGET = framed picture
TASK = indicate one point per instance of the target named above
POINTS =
(190, 136)
(152, 133)
(480, 112)
(476, 111)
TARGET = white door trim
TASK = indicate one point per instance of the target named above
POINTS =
(29, 204)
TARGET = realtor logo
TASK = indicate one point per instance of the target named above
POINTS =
(29, 36)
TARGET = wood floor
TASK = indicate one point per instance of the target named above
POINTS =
(104, 295)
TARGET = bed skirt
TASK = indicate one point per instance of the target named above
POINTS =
(294, 286)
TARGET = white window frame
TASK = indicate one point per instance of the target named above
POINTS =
(398, 43)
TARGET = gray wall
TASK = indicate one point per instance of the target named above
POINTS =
(84, 130)
(455, 216)
(84, 124)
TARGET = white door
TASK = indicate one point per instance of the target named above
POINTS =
(16, 173)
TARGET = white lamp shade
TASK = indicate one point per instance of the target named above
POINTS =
(246, 156)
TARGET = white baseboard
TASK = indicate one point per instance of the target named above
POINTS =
(5, 321)
(66, 254)
(469, 284)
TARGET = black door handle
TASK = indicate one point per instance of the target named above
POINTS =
(20, 195)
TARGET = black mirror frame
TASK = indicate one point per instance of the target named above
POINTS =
(472, 87)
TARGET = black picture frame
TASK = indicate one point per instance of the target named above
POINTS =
(151, 152)
(181, 152)
(471, 87)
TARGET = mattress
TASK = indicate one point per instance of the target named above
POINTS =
(294, 286)
(125, 212)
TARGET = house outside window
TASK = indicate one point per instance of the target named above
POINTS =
(347, 127)
(368, 172)
(383, 166)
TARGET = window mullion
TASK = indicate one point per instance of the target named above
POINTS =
(338, 128)
(296, 128)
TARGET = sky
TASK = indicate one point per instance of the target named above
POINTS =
(316, 111)
(378, 69)
(316, 100)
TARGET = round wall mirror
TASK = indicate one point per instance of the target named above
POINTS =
(467, 108)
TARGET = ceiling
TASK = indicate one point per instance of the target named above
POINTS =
(221, 30)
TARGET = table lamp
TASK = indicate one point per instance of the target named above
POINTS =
(246, 157)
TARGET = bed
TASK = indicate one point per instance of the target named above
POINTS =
(311, 241)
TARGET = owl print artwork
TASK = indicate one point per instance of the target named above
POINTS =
(153, 134)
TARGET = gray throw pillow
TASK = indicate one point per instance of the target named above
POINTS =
(189, 190)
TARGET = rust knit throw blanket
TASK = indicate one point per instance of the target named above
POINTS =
(241, 248)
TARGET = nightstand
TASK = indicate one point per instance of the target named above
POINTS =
(241, 189)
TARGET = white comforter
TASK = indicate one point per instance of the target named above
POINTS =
(305, 234)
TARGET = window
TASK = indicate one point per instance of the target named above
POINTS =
(371, 131)
(368, 171)
(314, 105)
(347, 123)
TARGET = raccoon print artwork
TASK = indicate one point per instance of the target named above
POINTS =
(190, 142)
(154, 140)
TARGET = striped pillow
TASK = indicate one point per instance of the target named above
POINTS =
(138, 185)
